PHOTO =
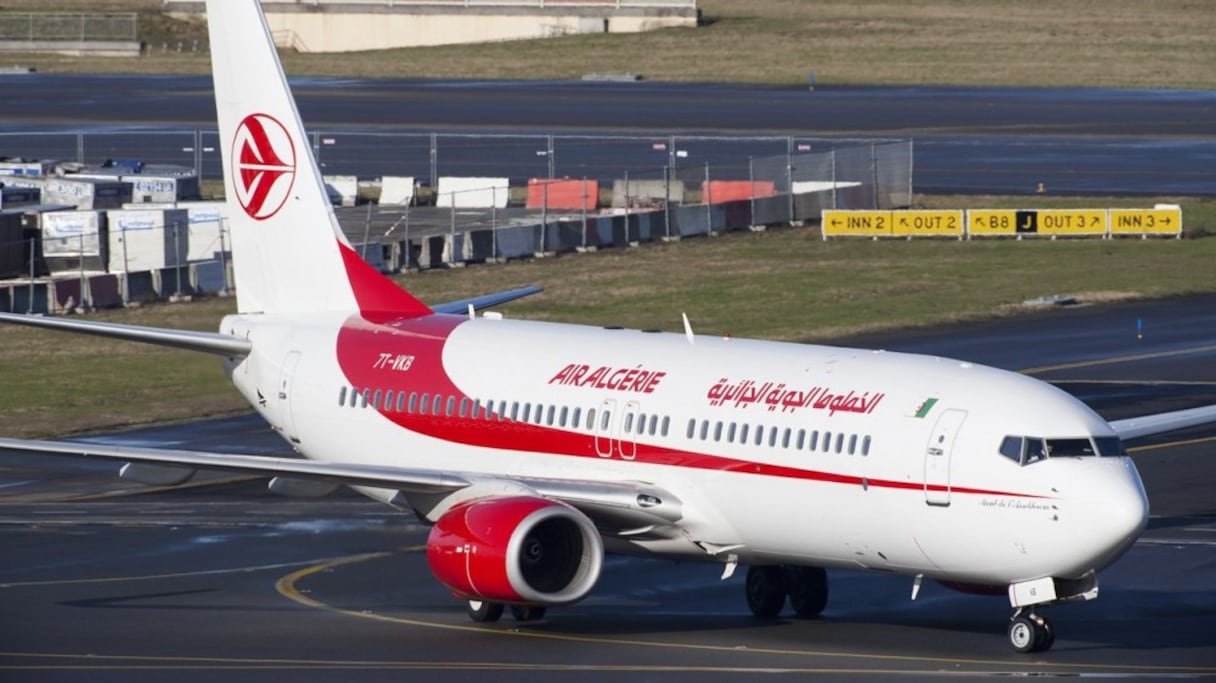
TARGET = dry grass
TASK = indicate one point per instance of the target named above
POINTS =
(1116, 43)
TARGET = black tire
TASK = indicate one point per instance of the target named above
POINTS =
(766, 588)
(527, 612)
(1048, 636)
(484, 612)
(808, 591)
(1024, 635)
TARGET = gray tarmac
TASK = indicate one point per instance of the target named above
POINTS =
(1087, 141)
(102, 580)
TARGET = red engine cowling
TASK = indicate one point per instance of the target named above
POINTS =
(519, 549)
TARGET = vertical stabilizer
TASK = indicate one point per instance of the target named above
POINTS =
(289, 253)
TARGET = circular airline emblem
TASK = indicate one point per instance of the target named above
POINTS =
(263, 165)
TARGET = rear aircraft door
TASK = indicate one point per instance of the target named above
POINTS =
(937, 456)
(285, 392)
(628, 427)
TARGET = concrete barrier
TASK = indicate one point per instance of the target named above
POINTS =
(35, 298)
(517, 241)
(344, 186)
(397, 190)
(472, 192)
(104, 290)
(646, 194)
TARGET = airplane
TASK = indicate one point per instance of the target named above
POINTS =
(534, 448)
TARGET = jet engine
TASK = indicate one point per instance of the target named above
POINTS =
(518, 549)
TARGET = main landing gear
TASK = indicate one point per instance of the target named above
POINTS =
(484, 612)
(769, 586)
(1030, 632)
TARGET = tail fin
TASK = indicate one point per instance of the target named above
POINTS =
(289, 253)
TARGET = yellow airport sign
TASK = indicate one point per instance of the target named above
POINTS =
(1071, 221)
(927, 223)
(837, 223)
(992, 222)
(1146, 221)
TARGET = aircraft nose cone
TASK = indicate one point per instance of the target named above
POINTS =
(1120, 513)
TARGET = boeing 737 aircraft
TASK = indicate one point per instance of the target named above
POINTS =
(535, 448)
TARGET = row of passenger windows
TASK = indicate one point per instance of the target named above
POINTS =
(441, 405)
(786, 437)
(637, 424)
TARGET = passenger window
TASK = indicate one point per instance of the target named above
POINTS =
(549, 416)
(785, 438)
(514, 410)
(451, 407)
(827, 441)
(502, 410)
(464, 406)
(437, 405)
(354, 397)
(342, 395)
(424, 402)
(704, 429)
(759, 435)
(865, 445)
(561, 417)
(590, 418)
(666, 424)
(366, 393)
(718, 431)
(692, 428)
(814, 442)
(839, 442)
(605, 420)
(524, 415)
(413, 402)
(852, 444)
(743, 433)
(730, 433)
(401, 401)
(772, 437)
(801, 439)
(628, 423)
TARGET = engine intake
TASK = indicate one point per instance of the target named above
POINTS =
(519, 549)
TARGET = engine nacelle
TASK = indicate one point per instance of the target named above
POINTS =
(518, 549)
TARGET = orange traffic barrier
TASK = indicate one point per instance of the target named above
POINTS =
(718, 191)
(563, 194)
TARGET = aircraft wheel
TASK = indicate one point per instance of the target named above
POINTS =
(484, 612)
(808, 590)
(527, 612)
(1031, 633)
(766, 590)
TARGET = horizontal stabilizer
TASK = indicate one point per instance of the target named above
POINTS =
(207, 342)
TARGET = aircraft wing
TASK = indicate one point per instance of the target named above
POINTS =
(485, 300)
(1148, 425)
(615, 506)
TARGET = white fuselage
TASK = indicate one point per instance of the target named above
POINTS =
(865, 459)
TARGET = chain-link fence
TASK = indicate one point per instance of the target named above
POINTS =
(68, 26)
(463, 197)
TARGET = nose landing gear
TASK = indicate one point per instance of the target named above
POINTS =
(1030, 632)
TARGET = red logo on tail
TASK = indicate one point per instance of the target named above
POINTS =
(263, 165)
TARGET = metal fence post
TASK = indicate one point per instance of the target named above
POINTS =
(706, 200)
(874, 172)
(434, 161)
(80, 147)
(789, 177)
(549, 155)
(751, 184)
(834, 183)
(911, 157)
(29, 305)
(585, 212)
(667, 201)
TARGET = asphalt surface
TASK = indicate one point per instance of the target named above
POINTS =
(967, 140)
(106, 581)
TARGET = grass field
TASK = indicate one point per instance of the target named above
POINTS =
(1115, 43)
(782, 284)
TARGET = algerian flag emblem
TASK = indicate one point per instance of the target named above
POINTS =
(924, 408)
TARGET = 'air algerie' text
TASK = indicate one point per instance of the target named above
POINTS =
(636, 379)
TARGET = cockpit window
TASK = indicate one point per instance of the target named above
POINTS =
(1027, 450)
(1109, 446)
(1064, 448)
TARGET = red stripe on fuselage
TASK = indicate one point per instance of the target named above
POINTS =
(363, 346)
